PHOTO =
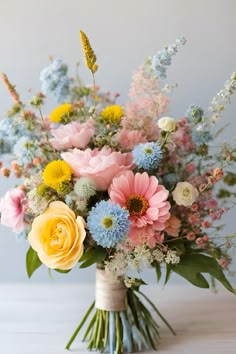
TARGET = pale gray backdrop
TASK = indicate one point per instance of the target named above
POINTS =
(123, 33)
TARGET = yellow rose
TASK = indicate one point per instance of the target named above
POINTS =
(57, 236)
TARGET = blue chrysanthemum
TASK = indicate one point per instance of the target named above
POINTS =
(108, 223)
(147, 155)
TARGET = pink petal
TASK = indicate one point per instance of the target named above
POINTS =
(141, 183)
(152, 213)
(153, 184)
(158, 198)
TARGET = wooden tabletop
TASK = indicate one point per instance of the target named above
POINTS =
(39, 318)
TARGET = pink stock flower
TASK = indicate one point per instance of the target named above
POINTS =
(190, 167)
(129, 138)
(224, 263)
(138, 236)
(12, 207)
(172, 226)
(206, 224)
(143, 197)
(194, 218)
(74, 134)
(212, 203)
(202, 241)
(182, 138)
(191, 236)
(99, 165)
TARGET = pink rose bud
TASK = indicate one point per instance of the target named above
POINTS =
(206, 224)
(37, 161)
(191, 236)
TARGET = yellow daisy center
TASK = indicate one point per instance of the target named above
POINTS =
(57, 172)
(136, 205)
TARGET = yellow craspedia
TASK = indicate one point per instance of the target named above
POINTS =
(112, 114)
(56, 173)
(61, 111)
(89, 55)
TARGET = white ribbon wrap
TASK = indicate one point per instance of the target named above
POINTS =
(110, 294)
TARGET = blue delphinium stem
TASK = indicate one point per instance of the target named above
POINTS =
(112, 332)
(127, 339)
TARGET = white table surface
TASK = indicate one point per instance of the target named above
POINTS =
(39, 318)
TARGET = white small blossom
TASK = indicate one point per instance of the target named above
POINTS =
(36, 205)
(142, 257)
(33, 181)
(158, 255)
(117, 265)
(171, 257)
(85, 188)
(167, 124)
(185, 194)
(81, 204)
(129, 282)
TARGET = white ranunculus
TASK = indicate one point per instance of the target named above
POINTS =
(185, 194)
(167, 124)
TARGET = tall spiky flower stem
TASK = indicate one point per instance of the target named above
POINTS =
(89, 58)
(131, 329)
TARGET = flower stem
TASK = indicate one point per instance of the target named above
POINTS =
(158, 312)
(80, 326)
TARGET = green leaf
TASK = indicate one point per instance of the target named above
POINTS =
(137, 283)
(186, 271)
(32, 261)
(191, 266)
(62, 271)
(168, 273)
(158, 270)
(93, 255)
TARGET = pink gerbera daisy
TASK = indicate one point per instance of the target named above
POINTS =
(143, 197)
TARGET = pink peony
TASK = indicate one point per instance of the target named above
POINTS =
(74, 134)
(99, 165)
(12, 207)
(143, 197)
(172, 226)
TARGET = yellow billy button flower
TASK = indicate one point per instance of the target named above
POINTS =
(112, 114)
(60, 112)
(57, 236)
(56, 173)
(89, 55)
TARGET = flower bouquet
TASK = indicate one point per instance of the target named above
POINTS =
(122, 187)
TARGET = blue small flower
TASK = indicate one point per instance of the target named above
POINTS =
(194, 113)
(54, 80)
(200, 135)
(169, 180)
(181, 40)
(147, 155)
(164, 56)
(25, 150)
(108, 223)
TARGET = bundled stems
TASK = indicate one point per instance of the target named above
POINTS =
(118, 331)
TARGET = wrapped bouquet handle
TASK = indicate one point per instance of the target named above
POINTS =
(110, 294)
(121, 322)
